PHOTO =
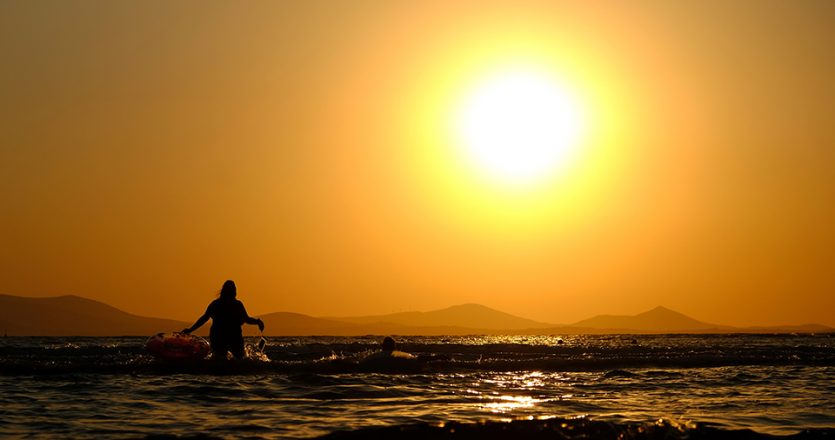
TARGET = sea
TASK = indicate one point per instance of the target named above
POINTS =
(583, 386)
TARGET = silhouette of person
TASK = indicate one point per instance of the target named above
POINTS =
(390, 359)
(388, 345)
(389, 350)
(228, 315)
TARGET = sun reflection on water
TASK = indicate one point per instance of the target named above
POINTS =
(505, 404)
(515, 393)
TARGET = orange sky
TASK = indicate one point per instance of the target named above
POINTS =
(150, 151)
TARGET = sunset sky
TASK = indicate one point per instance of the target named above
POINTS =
(333, 157)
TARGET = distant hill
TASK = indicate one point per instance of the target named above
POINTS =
(659, 319)
(473, 316)
(76, 316)
(72, 315)
(297, 324)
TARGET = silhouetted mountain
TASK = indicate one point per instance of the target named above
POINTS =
(474, 316)
(71, 315)
(76, 316)
(659, 319)
(296, 324)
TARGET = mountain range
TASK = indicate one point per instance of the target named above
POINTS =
(72, 315)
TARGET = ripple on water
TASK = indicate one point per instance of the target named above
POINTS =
(661, 377)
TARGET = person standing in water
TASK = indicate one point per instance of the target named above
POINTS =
(228, 315)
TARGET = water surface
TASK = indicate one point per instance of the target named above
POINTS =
(304, 387)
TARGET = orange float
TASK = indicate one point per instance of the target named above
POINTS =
(177, 347)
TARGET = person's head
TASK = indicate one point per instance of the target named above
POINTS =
(228, 291)
(388, 344)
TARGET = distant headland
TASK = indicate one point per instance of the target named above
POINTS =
(72, 315)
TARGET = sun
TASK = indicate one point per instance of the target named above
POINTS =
(519, 126)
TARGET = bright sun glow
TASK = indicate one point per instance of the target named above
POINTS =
(519, 126)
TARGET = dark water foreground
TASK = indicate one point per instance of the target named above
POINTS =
(559, 428)
(705, 386)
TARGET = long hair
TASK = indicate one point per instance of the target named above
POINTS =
(228, 291)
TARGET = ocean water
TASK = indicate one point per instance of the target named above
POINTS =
(307, 387)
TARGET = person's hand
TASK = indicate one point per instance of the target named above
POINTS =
(260, 324)
(186, 331)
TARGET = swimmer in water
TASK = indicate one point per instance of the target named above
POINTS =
(228, 315)
(388, 345)
(389, 350)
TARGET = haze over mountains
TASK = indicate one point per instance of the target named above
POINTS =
(464, 315)
(76, 316)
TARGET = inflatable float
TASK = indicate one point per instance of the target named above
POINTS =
(177, 347)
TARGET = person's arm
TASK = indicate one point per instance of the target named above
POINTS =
(200, 321)
(252, 321)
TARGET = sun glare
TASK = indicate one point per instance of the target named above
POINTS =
(519, 126)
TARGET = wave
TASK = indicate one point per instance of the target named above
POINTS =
(560, 428)
(614, 368)
(611, 354)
